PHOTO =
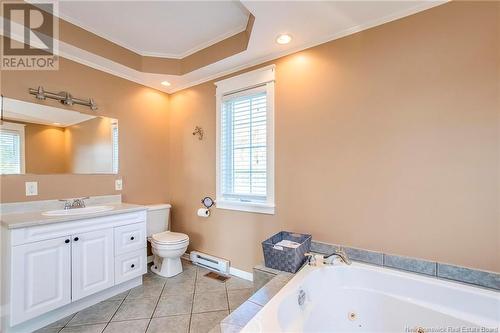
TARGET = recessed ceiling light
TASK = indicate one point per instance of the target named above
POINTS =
(57, 124)
(165, 83)
(283, 39)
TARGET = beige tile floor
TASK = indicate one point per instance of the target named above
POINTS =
(188, 302)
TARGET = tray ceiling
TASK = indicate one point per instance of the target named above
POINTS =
(171, 29)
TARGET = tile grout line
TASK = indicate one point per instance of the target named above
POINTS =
(192, 304)
(156, 306)
(228, 308)
(86, 324)
(227, 299)
(248, 300)
(72, 316)
(118, 308)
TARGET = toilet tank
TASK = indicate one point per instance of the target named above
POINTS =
(158, 218)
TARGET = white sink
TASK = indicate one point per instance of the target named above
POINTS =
(77, 211)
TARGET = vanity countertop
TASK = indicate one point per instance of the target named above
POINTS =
(35, 218)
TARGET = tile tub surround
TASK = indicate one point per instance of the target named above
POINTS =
(370, 257)
(432, 268)
(188, 302)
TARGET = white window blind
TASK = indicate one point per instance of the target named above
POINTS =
(245, 142)
(11, 148)
(114, 139)
(244, 146)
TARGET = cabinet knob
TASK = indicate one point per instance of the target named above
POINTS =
(132, 238)
(132, 266)
(66, 241)
(76, 239)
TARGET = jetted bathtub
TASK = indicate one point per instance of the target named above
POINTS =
(364, 298)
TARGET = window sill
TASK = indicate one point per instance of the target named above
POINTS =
(245, 207)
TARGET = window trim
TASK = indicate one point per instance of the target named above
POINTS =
(115, 155)
(261, 77)
(16, 127)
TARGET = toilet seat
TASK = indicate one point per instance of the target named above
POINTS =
(168, 247)
(169, 238)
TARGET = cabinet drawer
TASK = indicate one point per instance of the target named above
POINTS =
(130, 265)
(129, 238)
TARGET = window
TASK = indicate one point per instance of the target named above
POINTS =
(114, 140)
(11, 148)
(245, 142)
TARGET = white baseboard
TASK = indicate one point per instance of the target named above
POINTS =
(241, 274)
(232, 270)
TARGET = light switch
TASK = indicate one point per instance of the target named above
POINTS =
(118, 184)
(31, 188)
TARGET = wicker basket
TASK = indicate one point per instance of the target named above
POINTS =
(285, 258)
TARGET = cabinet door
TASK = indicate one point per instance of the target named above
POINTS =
(92, 262)
(41, 278)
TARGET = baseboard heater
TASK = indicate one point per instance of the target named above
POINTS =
(213, 263)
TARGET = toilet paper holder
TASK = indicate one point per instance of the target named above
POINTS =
(207, 202)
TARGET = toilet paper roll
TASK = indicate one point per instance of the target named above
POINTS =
(203, 212)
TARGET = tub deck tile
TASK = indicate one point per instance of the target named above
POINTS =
(242, 315)
(229, 328)
(264, 294)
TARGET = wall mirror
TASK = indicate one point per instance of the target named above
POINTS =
(40, 139)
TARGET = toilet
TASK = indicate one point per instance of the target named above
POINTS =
(167, 246)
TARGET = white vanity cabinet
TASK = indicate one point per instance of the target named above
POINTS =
(41, 278)
(64, 263)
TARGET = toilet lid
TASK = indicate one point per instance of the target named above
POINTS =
(168, 237)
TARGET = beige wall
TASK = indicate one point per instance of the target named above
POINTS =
(142, 114)
(229, 234)
(385, 140)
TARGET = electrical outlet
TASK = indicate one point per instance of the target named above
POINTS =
(118, 184)
(31, 188)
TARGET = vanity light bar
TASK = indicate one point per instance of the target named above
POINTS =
(64, 97)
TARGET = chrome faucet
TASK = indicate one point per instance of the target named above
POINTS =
(75, 203)
(339, 252)
(311, 259)
(67, 204)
